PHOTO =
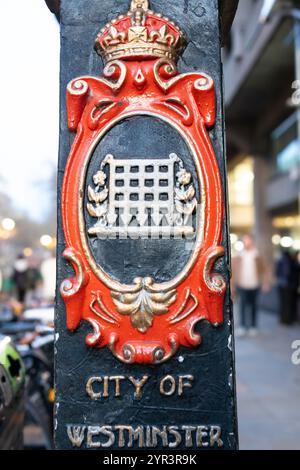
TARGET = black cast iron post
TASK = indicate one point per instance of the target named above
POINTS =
(107, 398)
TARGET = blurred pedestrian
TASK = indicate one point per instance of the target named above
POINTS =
(287, 274)
(20, 277)
(34, 282)
(295, 283)
(248, 277)
(48, 271)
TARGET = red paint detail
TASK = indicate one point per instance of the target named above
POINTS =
(92, 112)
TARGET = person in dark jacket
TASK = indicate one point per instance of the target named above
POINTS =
(287, 274)
(20, 277)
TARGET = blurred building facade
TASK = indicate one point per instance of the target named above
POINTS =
(262, 97)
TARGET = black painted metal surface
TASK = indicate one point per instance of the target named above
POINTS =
(123, 259)
(211, 400)
(227, 10)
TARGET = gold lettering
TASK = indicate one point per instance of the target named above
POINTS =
(172, 385)
(76, 434)
(121, 430)
(188, 435)
(107, 431)
(144, 436)
(148, 437)
(136, 434)
(117, 379)
(162, 433)
(173, 430)
(184, 381)
(202, 432)
(215, 436)
(138, 384)
(93, 431)
(89, 388)
(105, 386)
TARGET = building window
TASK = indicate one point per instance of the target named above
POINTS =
(285, 145)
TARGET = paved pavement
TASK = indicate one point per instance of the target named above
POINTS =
(268, 387)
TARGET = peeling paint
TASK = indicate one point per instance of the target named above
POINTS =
(55, 414)
(230, 380)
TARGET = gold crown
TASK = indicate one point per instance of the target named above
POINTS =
(141, 33)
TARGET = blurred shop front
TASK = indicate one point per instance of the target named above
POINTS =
(240, 185)
(262, 91)
(282, 203)
(283, 188)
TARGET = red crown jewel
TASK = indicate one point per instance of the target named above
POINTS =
(141, 33)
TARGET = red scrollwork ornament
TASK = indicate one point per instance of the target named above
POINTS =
(146, 321)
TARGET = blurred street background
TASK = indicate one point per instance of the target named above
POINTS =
(262, 84)
(262, 101)
(268, 385)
